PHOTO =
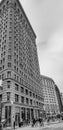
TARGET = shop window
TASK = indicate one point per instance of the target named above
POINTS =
(8, 115)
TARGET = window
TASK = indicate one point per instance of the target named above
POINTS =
(8, 74)
(30, 101)
(14, 67)
(34, 95)
(22, 90)
(15, 76)
(30, 93)
(9, 64)
(4, 52)
(9, 50)
(37, 103)
(1, 97)
(22, 99)
(9, 57)
(8, 96)
(26, 91)
(3, 66)
(3, 59)
(16, 98)
(27, 101)
(8, 84)
(16, 87)
(2, 76)
(17, 69)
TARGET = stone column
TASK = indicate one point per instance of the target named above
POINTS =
(34, 113)
(12, 115)
(26, 113)
(3, 112)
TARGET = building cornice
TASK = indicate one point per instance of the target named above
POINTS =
(46, 77)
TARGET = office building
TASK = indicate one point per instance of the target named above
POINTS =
(62, 98)
(19, 67)
(50, 98)
(59, 98)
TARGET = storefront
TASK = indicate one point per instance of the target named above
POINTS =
(8, 115)
(16, 113)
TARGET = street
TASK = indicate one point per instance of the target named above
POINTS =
(58, 126)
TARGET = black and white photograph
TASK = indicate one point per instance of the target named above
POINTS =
(31, 64)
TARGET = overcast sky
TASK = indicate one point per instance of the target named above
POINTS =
(46, 18)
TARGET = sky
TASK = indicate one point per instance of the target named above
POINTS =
(46, 18)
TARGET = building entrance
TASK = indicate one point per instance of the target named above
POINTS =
(8, 115)
(17, 119)
(32, 114)
(23, 115)
(28, 114)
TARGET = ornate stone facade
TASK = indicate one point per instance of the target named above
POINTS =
(19, 67)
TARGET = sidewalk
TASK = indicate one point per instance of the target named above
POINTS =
(46, 125)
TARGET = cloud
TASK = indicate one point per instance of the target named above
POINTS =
(46, 17)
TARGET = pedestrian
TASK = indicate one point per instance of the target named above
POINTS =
(33, 122)
(41, 122)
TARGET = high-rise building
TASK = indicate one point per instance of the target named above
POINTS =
(62, 98)
(50, 99)
(59, 98)
(19, 67)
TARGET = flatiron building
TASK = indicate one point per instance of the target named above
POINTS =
(21, 93)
